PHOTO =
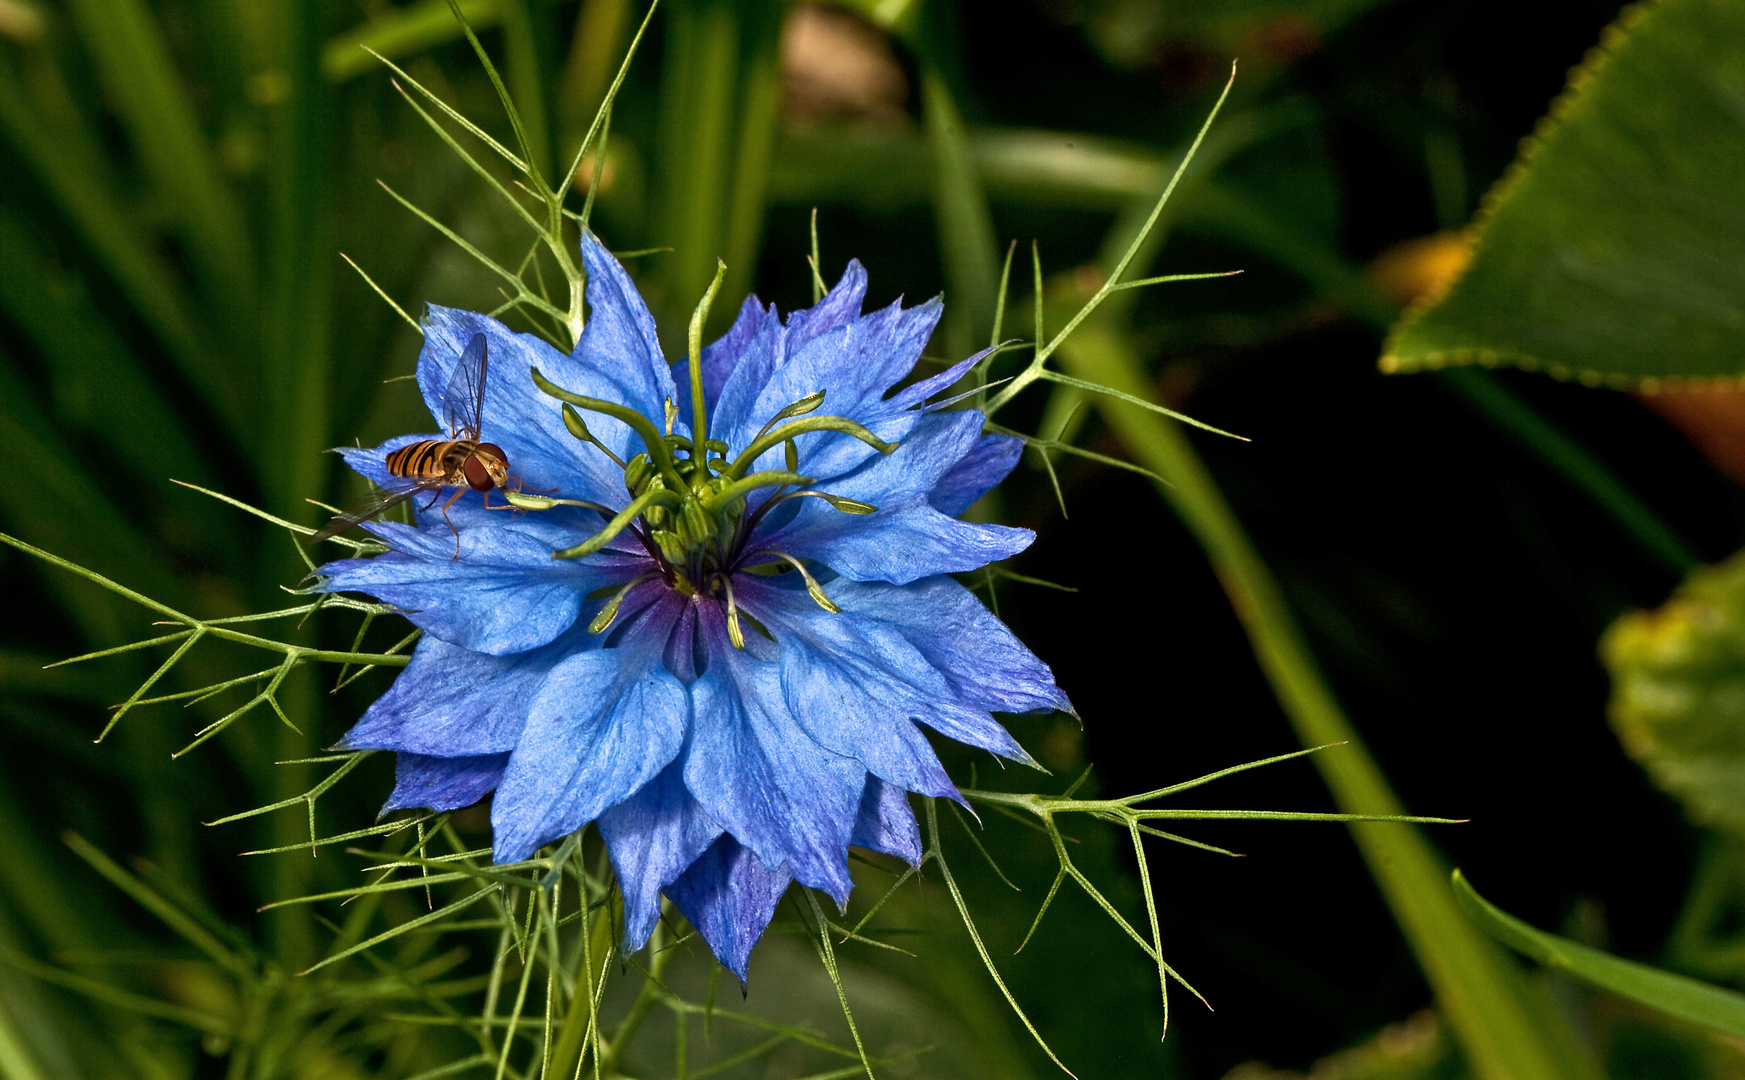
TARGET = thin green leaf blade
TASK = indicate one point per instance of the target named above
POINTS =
(1675, 995)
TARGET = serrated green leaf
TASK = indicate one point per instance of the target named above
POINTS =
(1610, 253)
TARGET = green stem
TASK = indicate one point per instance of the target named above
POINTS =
(1508, 1033)
(646, 998)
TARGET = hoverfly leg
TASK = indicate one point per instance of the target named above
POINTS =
(450, 524)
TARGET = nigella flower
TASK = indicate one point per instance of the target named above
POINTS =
(724, 657)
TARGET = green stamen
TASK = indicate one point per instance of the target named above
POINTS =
(651, 497)
(734, 633)
(813, 589)
(573, 420)
(801, 427)
(738, 489)
(837, 502)
(658, 451)
(788, 412)
(610, 611)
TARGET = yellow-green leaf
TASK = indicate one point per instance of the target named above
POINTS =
(1678, 693)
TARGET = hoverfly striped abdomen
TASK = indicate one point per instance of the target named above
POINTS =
(434, 465)
(431, 459)
(451, 463)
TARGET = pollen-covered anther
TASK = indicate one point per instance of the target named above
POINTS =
(813, 589)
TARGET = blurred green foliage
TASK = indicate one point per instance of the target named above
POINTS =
(180, 177)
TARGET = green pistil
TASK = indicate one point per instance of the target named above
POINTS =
(734, 633)
(699, 410)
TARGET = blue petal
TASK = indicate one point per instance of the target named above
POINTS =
(988, 462)
(854, 694)
(886, 823)
(730, 896)
(619, 340)
(985, 665)
(518, 417)
(907, 538)
(505, 594)
(604, 723)
(443, 783)
(881, 679)
(839, 307)
(918, 392)
(452, 702)
(761, 777)
(652, 837)
(905, 541)
(733, 417)
(854, 364)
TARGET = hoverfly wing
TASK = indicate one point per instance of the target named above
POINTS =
(463, 400)
(379, 501)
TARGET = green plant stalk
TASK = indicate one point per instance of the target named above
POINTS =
(1688, 999)
(966, 228)
(580, 1024)
(1507, 1031)
(529, 83)
(16, 1062)
(601, 29)
(701, 64)
(760, 114)
(129, 50)
(296, 357)
(404, 31)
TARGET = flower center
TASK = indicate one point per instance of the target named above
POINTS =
(690, 500)
(700, 538)
(693, 511)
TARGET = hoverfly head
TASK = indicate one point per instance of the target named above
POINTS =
(487, 467)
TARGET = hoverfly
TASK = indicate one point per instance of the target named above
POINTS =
(461, 461)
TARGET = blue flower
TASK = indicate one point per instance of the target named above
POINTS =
(731, 684)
